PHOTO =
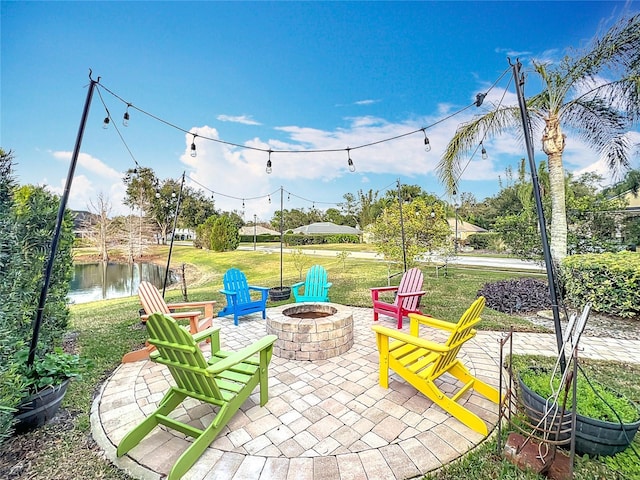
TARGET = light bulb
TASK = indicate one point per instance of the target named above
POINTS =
(157, 193)
(125, 119)
(269, 169)
(269, 199)
(484, 153)
(427, 145)
(193, 150)
(105, 122)
(352, 167)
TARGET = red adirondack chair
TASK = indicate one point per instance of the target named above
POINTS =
(407, 299)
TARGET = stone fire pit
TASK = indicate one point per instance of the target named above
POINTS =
(310, 331)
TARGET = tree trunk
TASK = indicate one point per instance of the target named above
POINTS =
(553, 146)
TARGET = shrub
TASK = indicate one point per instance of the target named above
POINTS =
(27, 218)
(610, 281)
(224, 235)
(516, 296)
(483, 241)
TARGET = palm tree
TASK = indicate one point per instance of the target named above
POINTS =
(576, 97)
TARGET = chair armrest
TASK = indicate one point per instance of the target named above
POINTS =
(410, 294)
(297, 285)
(209, 332)
(432, 322)
(405, 337)
(192, 314)
(241, 355)
(376, 291)
(328, 285)
(191, 304)
(383, 289)
(228, 292)
(262, 289)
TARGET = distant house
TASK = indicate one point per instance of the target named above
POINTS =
(83, 222)
(326, 228)
(463, 229)
(259, 230)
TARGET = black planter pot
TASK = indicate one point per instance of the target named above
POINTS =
(278, 294)
(593, 437)
(40, 407)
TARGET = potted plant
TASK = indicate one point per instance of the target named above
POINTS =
(606, 422)
(45, 384)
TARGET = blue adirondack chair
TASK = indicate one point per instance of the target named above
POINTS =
(238, 293)
(316, 287)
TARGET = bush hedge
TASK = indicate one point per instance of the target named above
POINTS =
(27, 219)
(482, 241)
(610, 281)
(295, 239)
(516, 296)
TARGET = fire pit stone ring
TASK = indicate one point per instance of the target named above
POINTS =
(310, 331)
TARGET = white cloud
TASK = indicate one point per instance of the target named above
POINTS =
(366, 102)
(91, 164)
(244, 119)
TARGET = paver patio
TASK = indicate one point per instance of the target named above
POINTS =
(326, 419)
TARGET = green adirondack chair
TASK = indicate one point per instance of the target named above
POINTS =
(316, 287)
(225, 381)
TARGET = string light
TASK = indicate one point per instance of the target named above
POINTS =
(269, 169)
(269, 197)
(352, 167)
(105, 122)
(193, 146)
(484, 152)
(243, 204)
(125, 118)
(478, 102)
(427, 145)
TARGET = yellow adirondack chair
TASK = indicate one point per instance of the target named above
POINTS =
(421, 362)
(152, 302)
(225, 381)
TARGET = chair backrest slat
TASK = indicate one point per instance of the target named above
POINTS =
(235, 280)
(315, 282)
(178, 350)
(151, 299)
(464, 331)
(411, 282)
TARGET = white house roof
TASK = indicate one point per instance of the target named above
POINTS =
(259, 230)
(464, 227)
(326, 228)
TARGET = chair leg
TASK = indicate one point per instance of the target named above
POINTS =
(170, 401)
(200, 444)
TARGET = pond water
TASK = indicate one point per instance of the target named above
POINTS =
(102, 281)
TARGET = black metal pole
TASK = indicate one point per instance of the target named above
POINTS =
(404, 250)
(281, 232)
(173, 236)
(37, 322)
(519, 81)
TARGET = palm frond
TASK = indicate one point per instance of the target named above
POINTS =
(618, 49)
(468, 136)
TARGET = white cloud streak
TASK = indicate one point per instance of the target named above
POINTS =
(243, 119)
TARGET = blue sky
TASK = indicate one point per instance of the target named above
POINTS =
(273, 75)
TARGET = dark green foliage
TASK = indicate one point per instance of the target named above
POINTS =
(50, 369)
(610, 281)
(516, 296)
(482, 241)
(594, 400)
(295, 239)
(224, 234)
(27, 220)
(260, 238)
